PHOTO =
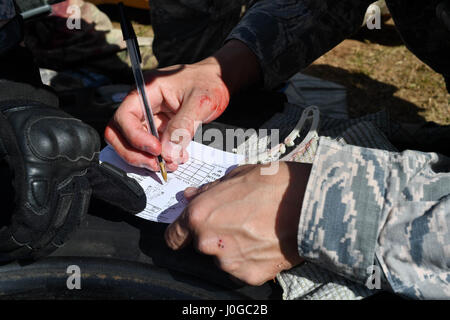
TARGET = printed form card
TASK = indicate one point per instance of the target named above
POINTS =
(165, 201)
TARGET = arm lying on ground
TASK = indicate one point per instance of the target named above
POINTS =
(365, 207)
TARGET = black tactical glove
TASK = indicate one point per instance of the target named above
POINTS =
(53, 158)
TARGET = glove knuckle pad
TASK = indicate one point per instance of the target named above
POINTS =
(50, 154)
(56, 137)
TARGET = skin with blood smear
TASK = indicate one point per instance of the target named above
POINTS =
(200, 92)
(217, 103)
(223, 97)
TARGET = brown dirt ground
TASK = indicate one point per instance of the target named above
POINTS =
(378, 72)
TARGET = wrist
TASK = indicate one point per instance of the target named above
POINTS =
(237, 65)
(296, 178)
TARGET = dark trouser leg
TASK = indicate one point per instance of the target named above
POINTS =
(187, 31)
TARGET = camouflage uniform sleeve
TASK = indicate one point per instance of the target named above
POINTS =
(288, 35)
(366, 207)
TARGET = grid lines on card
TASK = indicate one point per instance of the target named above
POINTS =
(194, 171)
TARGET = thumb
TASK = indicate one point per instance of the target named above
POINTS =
(179, 132)
(178, 234)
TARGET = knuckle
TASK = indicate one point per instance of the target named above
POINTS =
(108, 133)
(117, 115)
(252, 279)
(203, 245)
(228, 267)
(239, 170)
(181, 126)
(195, 215)
(205, 187)
(129, 159)
(205, 100)
(54, 138)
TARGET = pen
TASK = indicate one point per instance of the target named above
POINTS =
(135, 56)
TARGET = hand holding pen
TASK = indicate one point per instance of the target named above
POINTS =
(135, 56)
(181, 97)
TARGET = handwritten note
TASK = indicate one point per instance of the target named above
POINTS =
(165, 201)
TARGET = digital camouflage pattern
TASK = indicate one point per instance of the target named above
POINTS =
(367, 207)
(288, 35)
(342, 214)
(363, 206)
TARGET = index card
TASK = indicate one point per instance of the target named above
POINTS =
(165, 201)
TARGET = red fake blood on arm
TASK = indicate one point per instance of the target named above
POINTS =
(220, 244)
(216, 104)
(205, 101)
(223, 98)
